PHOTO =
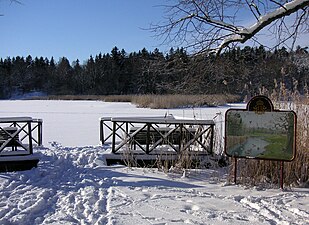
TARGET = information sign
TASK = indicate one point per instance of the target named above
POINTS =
(260, 132)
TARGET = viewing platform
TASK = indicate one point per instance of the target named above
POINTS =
(18, 135)
(149, 137)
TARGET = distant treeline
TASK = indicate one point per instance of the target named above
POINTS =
(241, 71)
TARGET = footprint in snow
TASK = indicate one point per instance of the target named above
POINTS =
(190, 208)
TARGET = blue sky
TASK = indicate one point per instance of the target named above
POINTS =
(77, 29)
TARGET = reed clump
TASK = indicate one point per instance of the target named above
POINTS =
(296, 172)
(153, 101)
(179, 101)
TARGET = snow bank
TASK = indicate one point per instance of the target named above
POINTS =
(73, 185)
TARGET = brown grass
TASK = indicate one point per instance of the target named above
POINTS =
(108, 98)
(69, 97)
(296, 173)
(177, 101)
(154, 101)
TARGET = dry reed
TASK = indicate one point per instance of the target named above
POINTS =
(296, 173)
(153, 101)
(177, 101)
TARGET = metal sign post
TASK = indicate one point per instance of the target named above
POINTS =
(260, 132)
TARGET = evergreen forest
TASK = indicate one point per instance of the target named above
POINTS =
(241, 71)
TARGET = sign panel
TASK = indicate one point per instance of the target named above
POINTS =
(261, 133)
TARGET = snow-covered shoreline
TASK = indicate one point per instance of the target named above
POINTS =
(72, 184)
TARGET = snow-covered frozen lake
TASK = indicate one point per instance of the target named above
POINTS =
(72, 185)
(76, 123)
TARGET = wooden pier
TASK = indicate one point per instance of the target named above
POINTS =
(157, 136)
(17, 137)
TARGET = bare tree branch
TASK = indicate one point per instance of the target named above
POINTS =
(247, 33)
(13, 1)
(212, 25)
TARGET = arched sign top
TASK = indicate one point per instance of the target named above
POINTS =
(260, 104)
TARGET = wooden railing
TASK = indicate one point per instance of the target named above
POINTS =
(19, 134)
(148, 133)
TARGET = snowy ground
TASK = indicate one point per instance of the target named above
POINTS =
(72, 184)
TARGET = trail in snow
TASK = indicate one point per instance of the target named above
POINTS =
(73, 186)
(63, 188)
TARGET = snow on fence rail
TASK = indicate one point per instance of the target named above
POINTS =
(148, 133)
(19, 134)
